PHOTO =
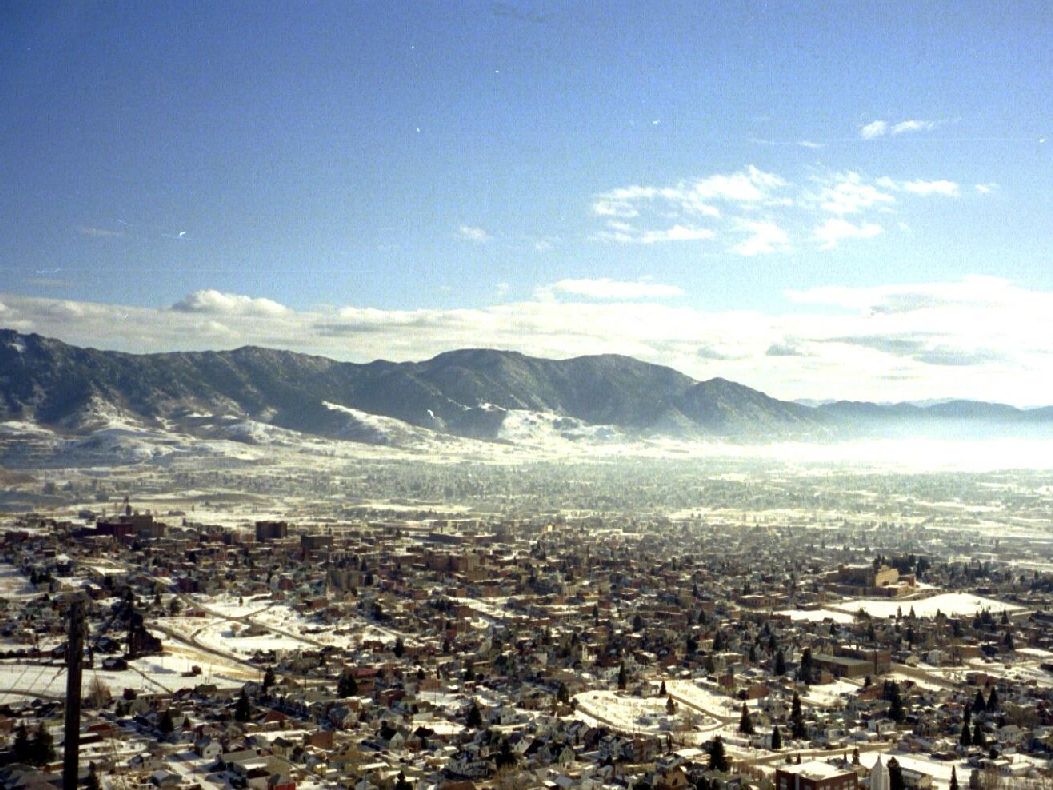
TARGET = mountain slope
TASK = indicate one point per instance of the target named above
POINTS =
(467, 392)
(479, 393)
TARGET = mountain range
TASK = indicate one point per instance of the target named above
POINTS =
(477, 393)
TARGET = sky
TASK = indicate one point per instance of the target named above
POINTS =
(819, 200)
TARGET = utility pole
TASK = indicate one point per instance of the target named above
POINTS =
(74, 649)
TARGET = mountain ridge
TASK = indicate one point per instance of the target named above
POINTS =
(466, 392)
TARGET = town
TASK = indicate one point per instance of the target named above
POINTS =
(776, 637)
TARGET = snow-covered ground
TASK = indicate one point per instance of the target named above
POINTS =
(629, 714)
(817, 615)
(950, 604)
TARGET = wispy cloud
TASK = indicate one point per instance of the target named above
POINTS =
(873, 130)
(753, 212)
(764, 238)
(881, 128)
(605, 288)
(625, 233)
(977, 337)
(473, 233)
(99, 233)
(834, 231)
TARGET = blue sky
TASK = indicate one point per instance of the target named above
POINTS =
(821, 200)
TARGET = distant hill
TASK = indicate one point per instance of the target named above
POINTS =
(479, 393)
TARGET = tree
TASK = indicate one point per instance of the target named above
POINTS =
(797, 729)
(718, 760)
(506, 758)
(93, 782)
(780, 663)
(21, 746)
(268, 679)
(776, 738)
(895, 775)
(346, 685)
(474, 717)
(807, 665)
(745, 722)
(166, 726)
(670, 706)
(718, 641)
(621, 677)
(637, 622)
(992, 701)
(562, 694)
(41, 746)
(978, 735)
(99, 695)
(895, 708)
(402, 783)
(399, 648)
(174, 606)
(954, 778)
(243, 708)
(979, 704)
(661, 689)
(966, 737)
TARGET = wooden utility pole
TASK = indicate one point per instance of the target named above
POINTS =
(74, 651)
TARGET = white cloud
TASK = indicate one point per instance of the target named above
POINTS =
(605, 288)
(978, 337)
(218, 303)
(624, 233)
(834, 231)
(879, 128)
(849, 193)
(986, 189)
(940, 187)
(873, 129)
(764, 238)
(473, 233)
(913, 126)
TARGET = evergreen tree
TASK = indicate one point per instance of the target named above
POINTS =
(992, 701)
(268, 679)
(895, 709)
(41, 746)
(797, 728)
(661, 689)
(780, 663)
(562, 694)
(954, 778)
(637, 622)
(93, 778)
(621, 677)
(166, 725)
(979, 705)
(776, 738)
(243, 708)
(670, 706)
(474, 718)
(346, 685)
(718, 760)
(402, 783)
(718, 641)
(978, 735)
(399, 648)
(745, 721)
(966, 737)
(895, 775)
(806, 665)
(21, 746)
